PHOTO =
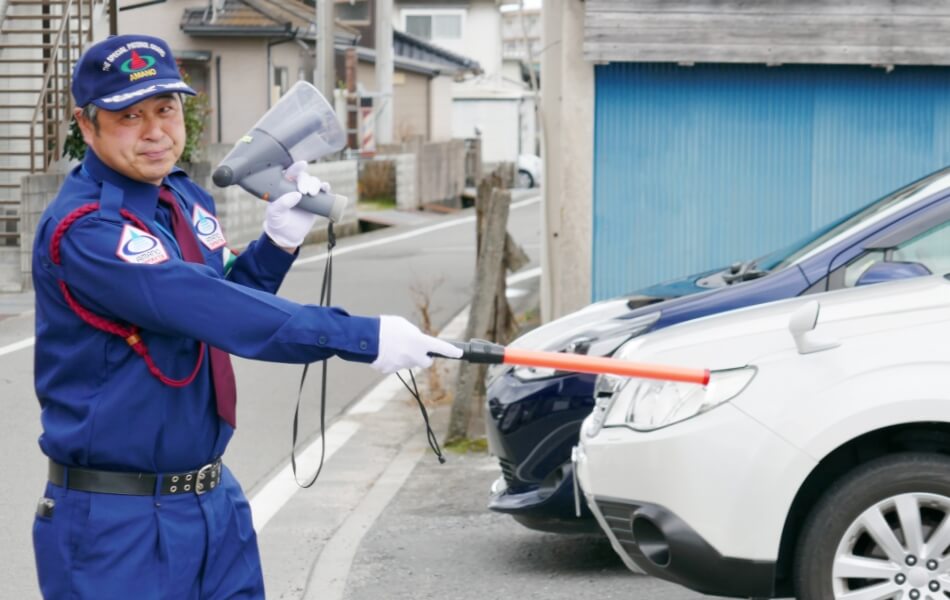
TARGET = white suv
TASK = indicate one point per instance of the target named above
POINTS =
(815, 463)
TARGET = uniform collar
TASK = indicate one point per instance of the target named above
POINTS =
(139, 196)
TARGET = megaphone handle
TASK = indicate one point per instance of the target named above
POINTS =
(329, 205)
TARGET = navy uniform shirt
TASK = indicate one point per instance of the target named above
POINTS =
(101, 407)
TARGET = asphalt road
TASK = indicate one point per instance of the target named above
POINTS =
(384, 520)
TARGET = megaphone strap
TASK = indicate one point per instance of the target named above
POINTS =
(130, 333)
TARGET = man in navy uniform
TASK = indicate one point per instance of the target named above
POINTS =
(138, 305)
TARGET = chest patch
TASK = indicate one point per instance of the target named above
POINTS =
(140, 247)
(207, 228)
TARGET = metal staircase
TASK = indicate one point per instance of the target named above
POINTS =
(40, 40)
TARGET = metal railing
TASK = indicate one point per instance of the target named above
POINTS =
(60, 46)
(54, 106)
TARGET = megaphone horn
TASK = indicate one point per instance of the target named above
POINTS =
(300, 126)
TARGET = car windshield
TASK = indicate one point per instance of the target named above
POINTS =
(843, 226)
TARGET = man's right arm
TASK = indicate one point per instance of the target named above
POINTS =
(175, 297)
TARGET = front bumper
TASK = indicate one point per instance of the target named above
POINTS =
(702, 503)
(664, 546)
(549, 507)
(531, 428)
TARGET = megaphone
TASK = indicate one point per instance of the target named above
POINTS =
(300, 126)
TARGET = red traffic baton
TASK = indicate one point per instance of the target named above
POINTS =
(480, 351)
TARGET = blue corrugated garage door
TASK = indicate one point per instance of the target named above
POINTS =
(697, 167)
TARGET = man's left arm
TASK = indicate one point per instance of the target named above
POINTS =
(262, 265)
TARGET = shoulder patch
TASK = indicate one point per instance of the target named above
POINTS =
(139, 247)
(207, 228)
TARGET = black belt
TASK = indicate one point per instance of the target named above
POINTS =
(199, 481)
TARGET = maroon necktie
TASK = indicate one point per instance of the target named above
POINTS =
(222, 374)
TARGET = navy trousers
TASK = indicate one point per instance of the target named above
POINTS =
(183, 547)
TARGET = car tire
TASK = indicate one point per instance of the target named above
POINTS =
(525, 180)
(879, 500)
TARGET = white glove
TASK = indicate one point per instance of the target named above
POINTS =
(288, 226)
(403, 346)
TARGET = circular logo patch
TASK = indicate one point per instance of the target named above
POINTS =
(206, 226)
(137, 63)
(139, 244)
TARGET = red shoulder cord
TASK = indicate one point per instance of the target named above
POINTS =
(128, 332)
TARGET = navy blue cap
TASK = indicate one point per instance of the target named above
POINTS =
(124, 69)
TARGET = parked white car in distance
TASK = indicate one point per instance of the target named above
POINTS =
(529, 171)
(816, 462)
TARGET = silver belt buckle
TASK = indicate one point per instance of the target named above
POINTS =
(207, 479)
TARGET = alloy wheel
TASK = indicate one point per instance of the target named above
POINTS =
(897, 549)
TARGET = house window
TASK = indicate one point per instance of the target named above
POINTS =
(434, 27)
(353, 12)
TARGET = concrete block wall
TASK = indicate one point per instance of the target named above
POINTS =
(407, 192)
(36, 192)
(439, 170)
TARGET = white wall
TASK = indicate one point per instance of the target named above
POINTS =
(440, 108)
(498, 121)
(481, 29)
(528, 143)
(483, 36)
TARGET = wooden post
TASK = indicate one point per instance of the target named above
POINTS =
(489, 264)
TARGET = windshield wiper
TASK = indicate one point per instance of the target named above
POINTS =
(742, 271)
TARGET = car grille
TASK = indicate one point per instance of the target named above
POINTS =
(508, 472)
(619, 517)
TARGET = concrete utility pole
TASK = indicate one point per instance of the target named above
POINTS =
(323, 73)
(384, 71)
(567, 117)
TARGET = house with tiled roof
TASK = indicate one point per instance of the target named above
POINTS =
(245, 53)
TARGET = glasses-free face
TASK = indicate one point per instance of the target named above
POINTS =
(142, 142)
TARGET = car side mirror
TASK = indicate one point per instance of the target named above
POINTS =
(802, 323)
(891, 271)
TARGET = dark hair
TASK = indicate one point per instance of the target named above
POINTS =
(90, 112)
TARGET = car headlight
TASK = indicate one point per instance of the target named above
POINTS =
(649, 404)
(605, 390)
(597, 340)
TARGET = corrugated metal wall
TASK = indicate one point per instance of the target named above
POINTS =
(697, 167)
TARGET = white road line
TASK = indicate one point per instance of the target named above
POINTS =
(282, 487)
(22, 344)
(328, 579)
(523, 276)
(376, 398)
(405, 236)
(456, 327)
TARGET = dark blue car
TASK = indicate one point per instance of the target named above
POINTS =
(534, 415)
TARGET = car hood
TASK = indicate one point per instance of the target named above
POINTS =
(739, 337)
(556, 334)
